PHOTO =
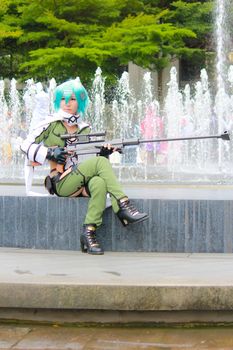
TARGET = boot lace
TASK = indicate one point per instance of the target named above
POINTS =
(92, 239)
(131, 208)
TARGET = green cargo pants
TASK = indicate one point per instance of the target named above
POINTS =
(98, 175)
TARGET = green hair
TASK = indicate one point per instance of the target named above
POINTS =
(67, 89)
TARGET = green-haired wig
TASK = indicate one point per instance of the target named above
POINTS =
(67, 89)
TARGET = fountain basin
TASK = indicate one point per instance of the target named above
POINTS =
(182, 219)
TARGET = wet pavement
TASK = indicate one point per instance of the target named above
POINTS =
(55, 337)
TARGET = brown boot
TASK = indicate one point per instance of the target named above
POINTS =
(128, 214)
(89, 242)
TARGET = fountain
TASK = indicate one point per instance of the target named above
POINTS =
(181, 114)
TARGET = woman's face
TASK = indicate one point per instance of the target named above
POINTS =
(71, 107)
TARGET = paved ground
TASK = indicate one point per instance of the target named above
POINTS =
(31, 337)
(115, 268)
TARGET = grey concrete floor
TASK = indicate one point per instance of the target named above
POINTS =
(115, 268)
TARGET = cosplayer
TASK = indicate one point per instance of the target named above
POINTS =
(93, 177)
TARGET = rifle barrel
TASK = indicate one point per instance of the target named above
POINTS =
(223, 137)
(133, 142)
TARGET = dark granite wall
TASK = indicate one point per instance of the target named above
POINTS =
(174, 225)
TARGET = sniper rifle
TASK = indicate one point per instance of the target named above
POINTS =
(91, 143)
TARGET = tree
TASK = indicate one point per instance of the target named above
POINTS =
(9, 33)
(65, 38)
(198, 16)
(57, 36)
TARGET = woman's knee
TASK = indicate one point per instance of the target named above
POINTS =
(97, 184)
(103, 159)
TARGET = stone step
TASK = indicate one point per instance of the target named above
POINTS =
(115, 287)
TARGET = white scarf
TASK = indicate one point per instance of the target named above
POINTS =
(70, 119)
(63, 116)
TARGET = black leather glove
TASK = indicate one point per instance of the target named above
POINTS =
(105, 151)
(58, 154)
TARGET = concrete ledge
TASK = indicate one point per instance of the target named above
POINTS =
(174, 225)
(114, 297)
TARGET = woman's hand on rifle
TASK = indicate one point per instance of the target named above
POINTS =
(107, 149)
(57, 154)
